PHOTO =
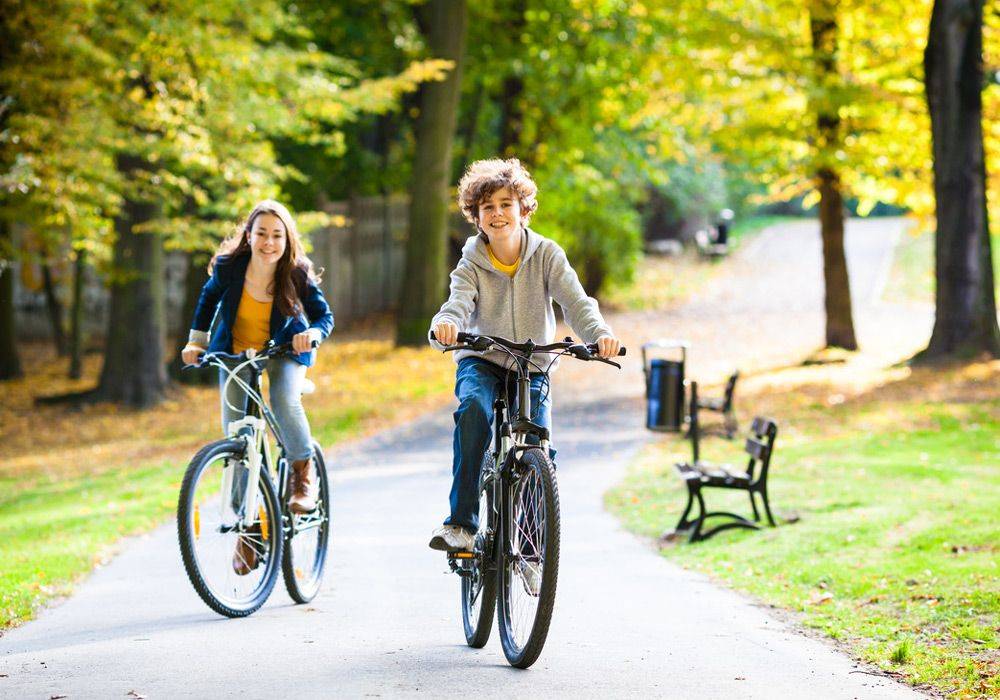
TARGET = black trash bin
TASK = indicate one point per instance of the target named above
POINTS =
(664, 386)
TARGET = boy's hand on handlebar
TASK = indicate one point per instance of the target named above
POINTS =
(608, 346)
(191, 354)
(446, 333)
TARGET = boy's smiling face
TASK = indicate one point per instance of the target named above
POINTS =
(500, 215)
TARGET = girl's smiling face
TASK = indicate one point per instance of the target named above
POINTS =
(500, 215)
(268, 239)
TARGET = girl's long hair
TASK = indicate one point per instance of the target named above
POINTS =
(294, 269)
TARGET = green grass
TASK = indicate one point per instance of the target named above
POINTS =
(56, 530)
(897, 553)
(912, 275)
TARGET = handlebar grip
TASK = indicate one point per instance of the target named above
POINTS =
(462, 337)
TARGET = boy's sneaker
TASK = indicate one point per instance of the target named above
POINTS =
(531, 576)
(452, 538)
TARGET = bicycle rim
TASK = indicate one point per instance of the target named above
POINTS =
(308, 537)
(209, 532)
(530, 561)
(479, 589)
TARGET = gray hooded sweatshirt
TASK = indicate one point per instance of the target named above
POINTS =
(485, 301)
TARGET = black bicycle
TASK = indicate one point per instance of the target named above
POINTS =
(515, 558)
(233, 522)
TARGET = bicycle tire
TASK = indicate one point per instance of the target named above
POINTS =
(303, 584)
(188, 531)
(478, 622)
(522, 654)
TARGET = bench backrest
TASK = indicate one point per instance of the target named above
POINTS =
(760, 445)
(730, 388)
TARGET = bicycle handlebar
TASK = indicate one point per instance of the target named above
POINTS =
(272, 351)
(482, 343)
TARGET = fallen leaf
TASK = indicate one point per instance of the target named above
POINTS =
(134, 695)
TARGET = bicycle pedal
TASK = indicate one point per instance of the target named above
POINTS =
(461, 555)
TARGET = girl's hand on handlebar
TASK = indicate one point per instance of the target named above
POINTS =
(608, 346)
(446, 333)
(191, 354)
(303, 342)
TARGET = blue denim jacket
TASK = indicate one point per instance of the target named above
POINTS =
(220, 299)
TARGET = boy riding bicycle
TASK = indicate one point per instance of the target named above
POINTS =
(504, 285)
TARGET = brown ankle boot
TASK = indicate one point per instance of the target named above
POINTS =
(246, 557)
(304, 487)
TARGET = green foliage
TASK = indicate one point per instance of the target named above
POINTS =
(196, 91)
(582, 209)
(751, 82)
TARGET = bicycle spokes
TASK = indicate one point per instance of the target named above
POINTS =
(526, 566)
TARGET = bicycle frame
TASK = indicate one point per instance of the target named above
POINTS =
(509, 439)
(252, 430)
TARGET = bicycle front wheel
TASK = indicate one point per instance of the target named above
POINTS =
(479, 583)
(308, 536)
(232, 566)
(529, 559)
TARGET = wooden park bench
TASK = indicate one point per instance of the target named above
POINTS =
(699, 475)
(724, 405)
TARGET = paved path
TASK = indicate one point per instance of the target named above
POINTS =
(387, 623)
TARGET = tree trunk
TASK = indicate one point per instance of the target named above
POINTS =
(839, 318)
(10, 363)
(965, 321)
(511, 101)
(134, 372)
(55, 309)
(194, 280)
(837, 284)
(425, 276)
(76, 317)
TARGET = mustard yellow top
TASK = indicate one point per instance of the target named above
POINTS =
(252, 328)
(508, 270)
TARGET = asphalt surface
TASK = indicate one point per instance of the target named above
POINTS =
(388, 622)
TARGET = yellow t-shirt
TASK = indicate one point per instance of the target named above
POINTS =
(508, 270)
(252, 328)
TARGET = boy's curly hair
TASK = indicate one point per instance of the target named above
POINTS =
(484, 177)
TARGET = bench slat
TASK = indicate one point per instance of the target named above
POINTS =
(755, 448)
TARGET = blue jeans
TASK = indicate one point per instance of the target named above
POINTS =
(285, 377)
(477, 383)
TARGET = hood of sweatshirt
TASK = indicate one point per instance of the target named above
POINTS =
(485, 301)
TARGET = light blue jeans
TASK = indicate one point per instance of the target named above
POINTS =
(286, 376)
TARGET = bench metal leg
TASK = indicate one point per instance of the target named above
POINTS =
(767, 507)
(753, 504)
(700, 520)
(683, 523)
(741, 523)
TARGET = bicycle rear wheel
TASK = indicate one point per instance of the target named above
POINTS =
(479, 586)
(213, 539)
(308, 537)
(529, 559)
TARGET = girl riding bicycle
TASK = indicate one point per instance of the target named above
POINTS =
(504, 285)
(262, 287)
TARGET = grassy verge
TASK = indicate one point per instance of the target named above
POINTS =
(662, 281)
(73, 482)
(894, 475)
(912, 276)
